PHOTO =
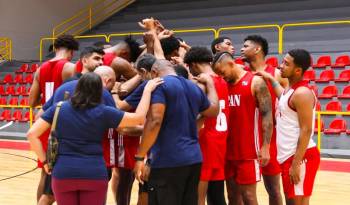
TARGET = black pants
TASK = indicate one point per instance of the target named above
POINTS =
(174, 186)
(216, 193)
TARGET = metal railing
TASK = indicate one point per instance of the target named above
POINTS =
(90, 16)
(5, 48)
(31, 109)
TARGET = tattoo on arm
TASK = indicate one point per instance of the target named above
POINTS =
(263, 98)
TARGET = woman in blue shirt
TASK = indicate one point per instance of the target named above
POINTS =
(80, 175)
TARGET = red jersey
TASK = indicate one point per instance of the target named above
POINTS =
(108, 147)
(50, 78)
(213, 136)
(78, 66)
(244, 133)
(108, 58)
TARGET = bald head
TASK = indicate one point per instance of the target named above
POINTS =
(107, 75)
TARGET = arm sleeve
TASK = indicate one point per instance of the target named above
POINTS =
(113, 117)
(49, 103)
(158, 95)
(134, 98)
(49, 113)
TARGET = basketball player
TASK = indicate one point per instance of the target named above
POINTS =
(248, 99)
(213, 136)
(254, 51)
(120, 56)
(296, 151)
(222, 44)
(47, 79)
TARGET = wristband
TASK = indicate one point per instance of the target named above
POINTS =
(137, 158)
(275, 84)
(114, 93)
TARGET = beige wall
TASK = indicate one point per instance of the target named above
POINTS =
(26, 21)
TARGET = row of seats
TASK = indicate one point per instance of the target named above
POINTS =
(14, 101)
(331, 91)
(25, 68)
(333, 106)
(19, 78)
(322, 62)
(17, 115)
(336, 127)
(326, 76)
(12, 90)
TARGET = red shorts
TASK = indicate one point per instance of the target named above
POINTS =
(212, 174)
(308, 170)
(44, 138)
(243, 171)
(125, 152)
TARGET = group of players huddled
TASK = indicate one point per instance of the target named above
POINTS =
(213, 124)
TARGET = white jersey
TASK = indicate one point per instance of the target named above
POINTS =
(288, 128)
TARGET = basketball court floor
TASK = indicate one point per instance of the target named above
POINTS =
(19, 178)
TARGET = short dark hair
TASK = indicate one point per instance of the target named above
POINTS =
(198, 55)
(169, 45)
(259, 40)
(100, 44)
(134, 47)
(66, 41)
(217, 41)
(88, 51)
(145, 61)
(302, 58)
(181, 71)
(88, 92)
(218, 56)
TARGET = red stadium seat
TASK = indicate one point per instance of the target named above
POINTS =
(24, 102)
(341, 62)
(348, 108)
(32, 68)
(21, 90)
(13, 101)
(7, 79)
(23, 68)
(239, 61)
(18, 78)
(3, 101)
(10, 90)
(309, 75)
(334, 106)
(272, 61)
(5, 115)
(337, 126)
(346, 93)
(26, 117)
(326, 76)
(315, 89)
(2, 90)
(28, 78)
(322, 62)
(17, 116)
(329, 92)
(344, 76)
(316, 126)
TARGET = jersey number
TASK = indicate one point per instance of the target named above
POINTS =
(221, 121)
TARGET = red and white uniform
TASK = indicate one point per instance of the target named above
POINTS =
(50, 78)
(126, 149)
(108, 147)
(272, 168)
(78, 66)
(213, 137)
(288, 131)
(244, 140)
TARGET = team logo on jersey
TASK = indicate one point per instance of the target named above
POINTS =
(245, 83)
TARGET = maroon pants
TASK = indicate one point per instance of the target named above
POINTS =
(79, 191)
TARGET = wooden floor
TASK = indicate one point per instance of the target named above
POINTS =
(331, 188)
